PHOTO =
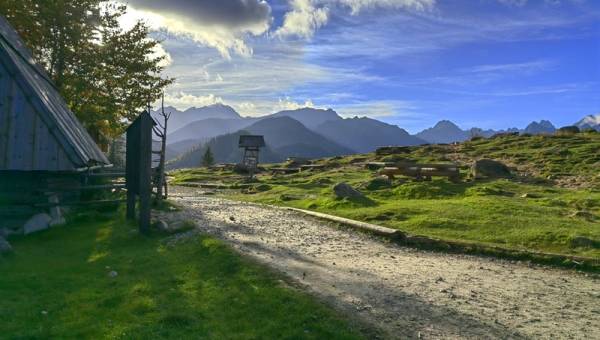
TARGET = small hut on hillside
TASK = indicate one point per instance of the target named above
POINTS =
(251, 145)
(43, 147)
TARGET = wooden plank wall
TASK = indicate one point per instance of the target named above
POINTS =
(26, 143)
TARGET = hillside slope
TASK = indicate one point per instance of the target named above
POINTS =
(366, 134)
(309, 117)
(224, 149)
(571, 161)
(550, 204)
(180, 119)
(205, 129)
(291, 138)
(284, 136)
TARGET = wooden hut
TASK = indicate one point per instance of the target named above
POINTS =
(43, 146)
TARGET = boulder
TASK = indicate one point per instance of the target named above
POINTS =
(381, 182)
(487, 168)
(4, 246)
(345, 190)
(37, 223)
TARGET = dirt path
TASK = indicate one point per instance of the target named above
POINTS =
(403, 292)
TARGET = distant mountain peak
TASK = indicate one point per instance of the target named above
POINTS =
(543, 126)
(217, 110)
(589, 122)
(446, 124)
(444, 131)
(309, 116)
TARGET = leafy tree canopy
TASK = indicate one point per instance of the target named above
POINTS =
(106, 74)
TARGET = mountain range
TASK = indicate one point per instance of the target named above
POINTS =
(591, 122)
(285, 137)
(308, 132)
(180, 119)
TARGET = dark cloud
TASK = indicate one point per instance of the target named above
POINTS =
(229, 13)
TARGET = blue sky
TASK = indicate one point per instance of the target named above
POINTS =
(484, 63)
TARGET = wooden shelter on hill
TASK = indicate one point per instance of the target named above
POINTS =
(251, 145)
(43, 147)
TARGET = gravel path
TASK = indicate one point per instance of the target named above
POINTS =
(405, 293)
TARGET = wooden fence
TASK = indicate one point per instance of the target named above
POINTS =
(24, 194)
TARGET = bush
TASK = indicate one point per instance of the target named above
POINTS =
(568, 130)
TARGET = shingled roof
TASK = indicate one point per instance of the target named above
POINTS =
(30, 93)
(251, 141)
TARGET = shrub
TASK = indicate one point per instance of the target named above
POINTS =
(568, 130)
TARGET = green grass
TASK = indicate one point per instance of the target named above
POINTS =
(57, 285)
(525, 213)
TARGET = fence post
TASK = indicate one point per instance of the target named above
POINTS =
(145, 154)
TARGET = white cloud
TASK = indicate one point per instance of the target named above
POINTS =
(303, 20)
(158, 52)
(289, 104)
(263, 106)
(516, 3)
(182, 100)
(357, 5)
(226, 36)
(307, 16)
(379, 109)
(489, 73)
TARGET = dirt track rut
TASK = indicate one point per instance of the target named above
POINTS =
(405, 293)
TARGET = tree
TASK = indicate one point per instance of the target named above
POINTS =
(161, 131)
(106, 74)
(208, 159)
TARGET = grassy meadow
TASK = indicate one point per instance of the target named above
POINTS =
(552, 201)
(57, 285)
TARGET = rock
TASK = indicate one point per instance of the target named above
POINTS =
(583, 242)
(380, 182)
(344, 190)
(37, 223)
(4, 246)
(487, 168)
(113, 274)
(161, 225)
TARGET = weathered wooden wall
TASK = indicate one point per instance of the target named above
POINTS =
(24, 194)
(26, 143)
